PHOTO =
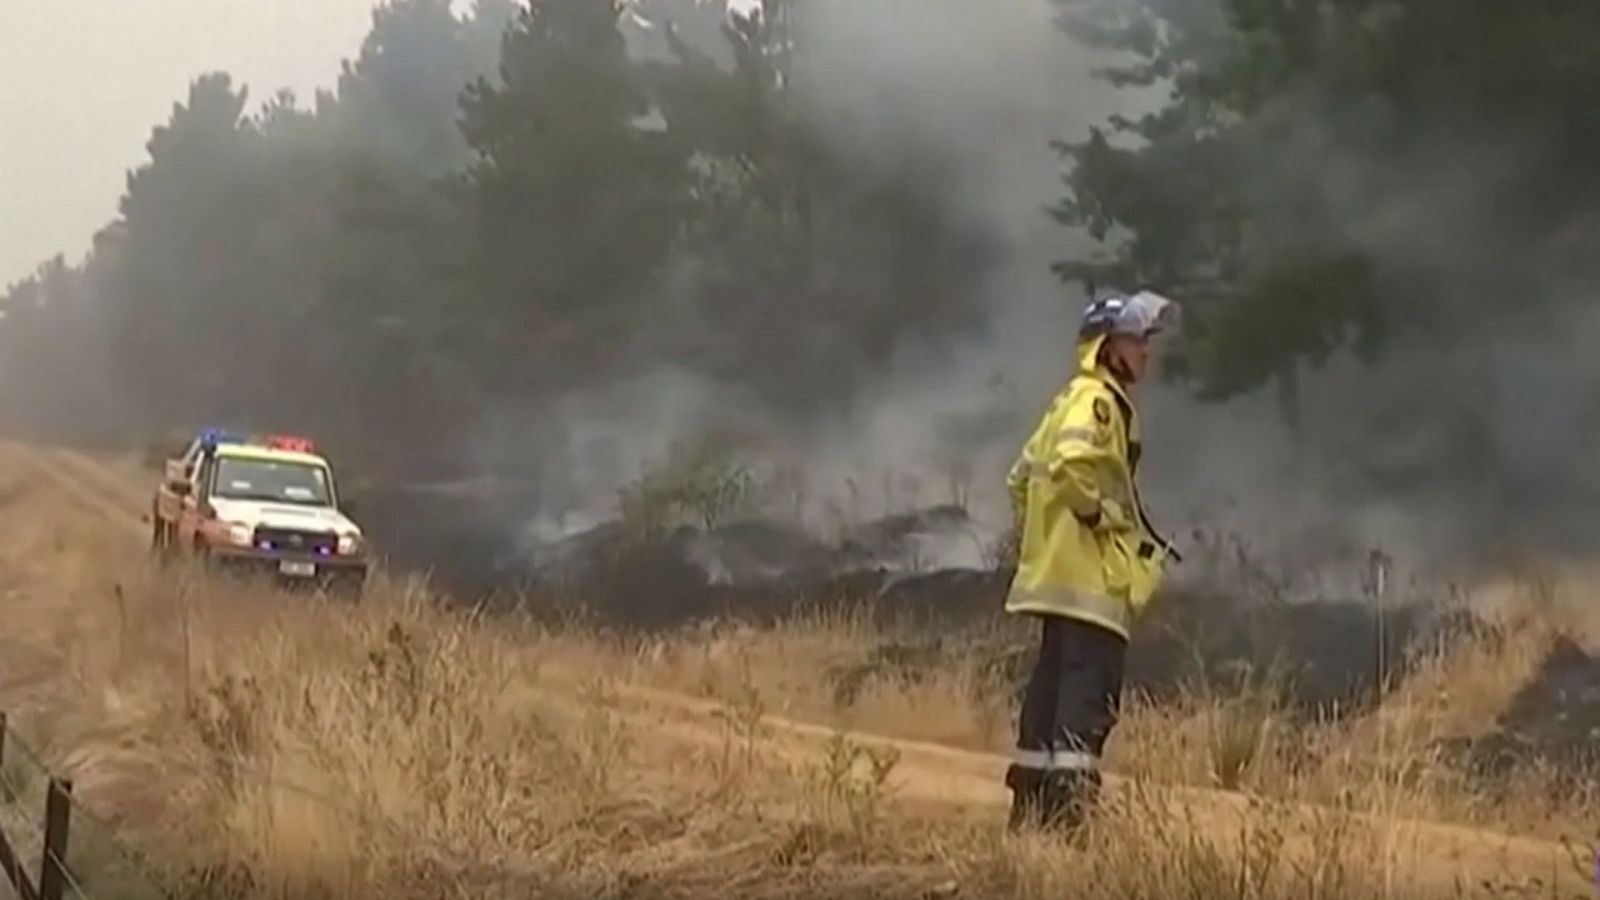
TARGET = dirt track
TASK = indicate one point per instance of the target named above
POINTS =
(945, 779)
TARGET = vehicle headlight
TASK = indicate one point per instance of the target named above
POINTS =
(349, 544)
(241, 534)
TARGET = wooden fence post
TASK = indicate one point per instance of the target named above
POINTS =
(6, 794)
(9, 864)
(57, 816)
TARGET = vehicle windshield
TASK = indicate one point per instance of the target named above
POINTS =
(275, 481)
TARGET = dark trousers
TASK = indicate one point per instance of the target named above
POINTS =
(1071, 705)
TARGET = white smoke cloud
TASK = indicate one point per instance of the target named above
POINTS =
(983, 88)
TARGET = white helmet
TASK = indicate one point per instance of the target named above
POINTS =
(1141, 314)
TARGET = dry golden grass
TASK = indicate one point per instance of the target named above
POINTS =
(834, 667)
(262, 745)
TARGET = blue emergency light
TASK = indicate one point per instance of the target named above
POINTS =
(211, 437)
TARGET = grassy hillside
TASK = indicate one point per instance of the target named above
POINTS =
(252, 744)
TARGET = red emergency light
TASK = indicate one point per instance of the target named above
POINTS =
(291, 443)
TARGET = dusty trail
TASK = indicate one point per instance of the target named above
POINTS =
(935, 774)
(932, 776)
(91, 486)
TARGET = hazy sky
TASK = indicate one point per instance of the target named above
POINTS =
(83, 81)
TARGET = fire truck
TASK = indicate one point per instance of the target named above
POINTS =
(261, 504)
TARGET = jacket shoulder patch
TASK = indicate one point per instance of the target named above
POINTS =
(1102, 411)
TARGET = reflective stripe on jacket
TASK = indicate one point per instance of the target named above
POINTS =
(1086, 549)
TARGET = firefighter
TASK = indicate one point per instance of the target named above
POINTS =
(1088, 560)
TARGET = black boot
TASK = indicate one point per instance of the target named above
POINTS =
(1027, 797)
(1069, 798)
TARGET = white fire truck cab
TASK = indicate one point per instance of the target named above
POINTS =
(260, 504)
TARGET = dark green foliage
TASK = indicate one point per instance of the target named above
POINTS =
(1321, 169)
(580, 193)
(798, 252)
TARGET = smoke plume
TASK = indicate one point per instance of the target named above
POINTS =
(1465, 446)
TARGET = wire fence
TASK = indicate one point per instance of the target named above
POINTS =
(39, 813)
(41, 819)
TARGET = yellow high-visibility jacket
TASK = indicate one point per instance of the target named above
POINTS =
(1086, 548)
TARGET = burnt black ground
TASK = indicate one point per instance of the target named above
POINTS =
(1329, 651)
(1221, 631)
(1553, 720)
